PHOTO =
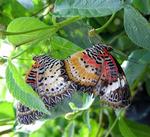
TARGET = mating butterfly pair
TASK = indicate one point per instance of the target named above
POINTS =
(93, 70)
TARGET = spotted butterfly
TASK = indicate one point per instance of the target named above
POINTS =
(93, 70)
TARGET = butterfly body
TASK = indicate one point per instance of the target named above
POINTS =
(93, 70)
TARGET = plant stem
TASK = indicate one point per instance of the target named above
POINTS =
(100, 122)
(116, 37)
(6, 131)
(99, 30)
(57, 26)
(23, 32)
(93, 32)
(115, 122)
(67, 21)
(46, 6)
(112, 126)
(21, 53)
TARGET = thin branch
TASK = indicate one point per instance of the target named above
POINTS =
(99, 30)
(23, 32)
(114, 123)
(20, 53)
(6, 131)
(100, 123)
(47, 5)
(111, 128)
(93, 32)
(116, 37)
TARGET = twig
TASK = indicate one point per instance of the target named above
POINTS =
(99, 30)
(34, 14)
(100, 123)
(111, 128)
(114, 123)
(93, 32)
(6, 131)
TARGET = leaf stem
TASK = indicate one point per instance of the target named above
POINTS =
(6, 131)
(116, 37)
(112, 126)
(57, 26)
(67, 21)
(23, 32)
(115, 122)
(93, 32)
(99, 30)
(15, 56)
(51, 6)
(11, 122)
(100, 123)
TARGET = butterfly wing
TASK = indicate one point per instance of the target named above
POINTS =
(25, 115)
(84, 68)
(112, 86)
(48, 78)
(53, 83)
(93, 70)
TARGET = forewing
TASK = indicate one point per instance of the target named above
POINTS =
(83, 69)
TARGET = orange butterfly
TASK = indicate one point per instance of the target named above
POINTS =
(93, 70)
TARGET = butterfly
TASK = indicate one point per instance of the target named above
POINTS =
(93, 70)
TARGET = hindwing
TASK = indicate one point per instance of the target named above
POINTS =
(112, 85)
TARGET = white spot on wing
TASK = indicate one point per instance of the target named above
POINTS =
(122, 82)
(114, 86)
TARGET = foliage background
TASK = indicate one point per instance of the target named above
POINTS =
(60, 28)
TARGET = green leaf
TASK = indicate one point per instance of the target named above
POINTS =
(137, 27)
(28, 29)
(140, 130)
(80, 101)
(69, 130)
(7, 9)
(94, 130)
(86, 118)
(135, 65)
(4, 20)
(77, 32)
(145, 58)
(86, 8)
(21, 91)
(113, 123)
(87, 101)
(125, 129)
(18, 11)
(62, 48)
(6, 111)
(147, 82)
(142, 5)
(83, 131)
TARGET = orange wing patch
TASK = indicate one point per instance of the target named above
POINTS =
(82, 69)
